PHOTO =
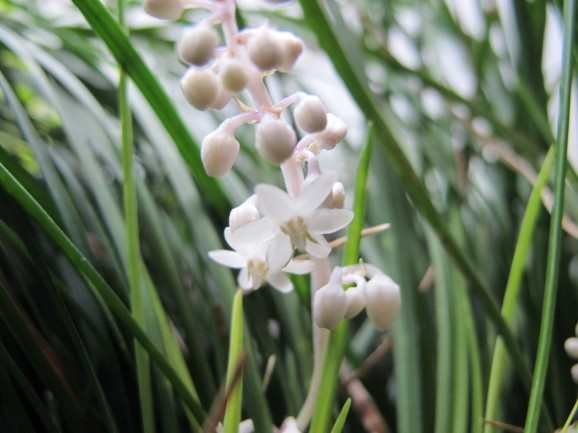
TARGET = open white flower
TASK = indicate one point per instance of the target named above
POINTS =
(259, 262)
(298, 219)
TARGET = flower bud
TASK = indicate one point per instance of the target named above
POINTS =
(337, 196)
(275, 140)
(218, 152)
(334, 132)
(574, 373)
(310, 114)
(355, 301)
(329, 305)
(222, 99)
(265, 50)
(201, 87)
(197, 46)
(233, 76)
(571, 347)
(292, 48)
(243, 214)
(164, 9)
(383, 301)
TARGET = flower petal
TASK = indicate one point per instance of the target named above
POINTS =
(244, 281)
(280, 281)
(315, 193)
(279, 252)
(318, 249)
(274, 202)
(252, 233)
(299, 266)
(328, 220)
(231, 259)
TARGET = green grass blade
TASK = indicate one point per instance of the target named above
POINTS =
(112, 35)
(233, 411)
(555, 237)
(340, 421)
(513, 289)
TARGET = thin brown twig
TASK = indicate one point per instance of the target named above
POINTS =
(503, 425)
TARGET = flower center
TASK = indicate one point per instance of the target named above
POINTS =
(258, 270)
(297, 230)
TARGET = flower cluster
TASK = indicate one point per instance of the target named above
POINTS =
(571, 346)
(269, 227)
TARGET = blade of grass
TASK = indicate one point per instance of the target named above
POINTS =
(99, 286)
(233, 410)
(513, 289)
(338, 338)
(555, 237)
(340, 421)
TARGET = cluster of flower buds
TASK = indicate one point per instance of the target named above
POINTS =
(571, 346)
(372, 290)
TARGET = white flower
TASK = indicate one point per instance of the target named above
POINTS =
(383, 301)
(299, 219)
(258, 262)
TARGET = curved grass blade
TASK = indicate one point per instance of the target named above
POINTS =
(233, 411)
(340, 421)
(555, 236)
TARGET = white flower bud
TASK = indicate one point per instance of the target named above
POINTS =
(333, 133)
(574, 373)
(164, 9)
(290, 424)
(355, 301)
(337, 196)
(571, 347)
(243, 214)
(292, 48)
(218, 152)
(223, 98)
(197, 46)
(310, 114)
(275, 140)
(234, 76)
(201, 87)
(329, 304)
(265, 50)
(383, 301)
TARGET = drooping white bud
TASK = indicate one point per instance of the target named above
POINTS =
(571, 347)
(290, 424)
(383, 301)
(265, 50)
(197, 45)
(337, 196)
(201, 87)
(330, 302)
(243, 214)
(334, 132)
(310, 114)
(234, 76)
(292, 47)
(275, 140)
(218, 152)
(355, 301)
(164, 9)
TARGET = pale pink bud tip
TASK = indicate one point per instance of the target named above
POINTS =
(292, 48)
(329, 305)
(201, 87)
(310, 114)
(234, 76)
(197, 46)
(164, 9)
(571, 347)
(383, 301)
(218, 153)
(265, 50)
(275, 140)
(334, 132)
